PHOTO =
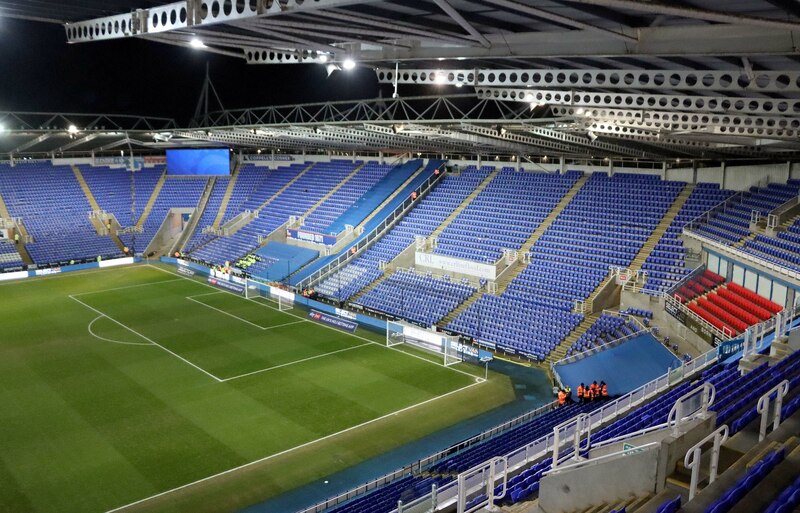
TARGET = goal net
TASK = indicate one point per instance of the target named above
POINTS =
(282, 299)
(447, 346)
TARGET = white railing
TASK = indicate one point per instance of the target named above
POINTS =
(692, 403)
(743, 255)
(780, 390)
(604, 458)
(671, 302)
(387, 224)
(423, 463)
(523, 456)
(692, 459)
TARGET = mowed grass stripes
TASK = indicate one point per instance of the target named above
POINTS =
(96, 417)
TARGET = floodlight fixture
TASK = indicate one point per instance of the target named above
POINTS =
(197, 43)
(348, 64)
(330, 68)
(72, 129)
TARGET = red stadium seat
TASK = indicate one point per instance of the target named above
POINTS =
(726, 305)
(722, 315)
(741, 302)
(712, 320)
(755, 298)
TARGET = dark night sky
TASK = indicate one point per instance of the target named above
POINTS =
(40, 72)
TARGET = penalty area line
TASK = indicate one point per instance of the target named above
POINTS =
(181, 358)
(286, 451)
(451, 368)
(287, 364)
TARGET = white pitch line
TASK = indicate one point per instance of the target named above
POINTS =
(296, 361)
(319, 324)
(227, 313)
(148, 339)
(113, 341)
(126, 287)
(208, 294)
(271, 456)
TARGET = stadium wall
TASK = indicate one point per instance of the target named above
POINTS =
(49, 271)
(361, 319)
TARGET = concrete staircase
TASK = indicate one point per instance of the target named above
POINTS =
(661, 228)
(439, 229)
(505, 278)
(191, 226)
(464, 204)
(150, 202)
(95, 206)
(23, 233)
(282, 189)
(226, 198)
(560, 350)
(333, 191)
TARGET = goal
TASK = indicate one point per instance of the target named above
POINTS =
(447, 346)
(257, 290)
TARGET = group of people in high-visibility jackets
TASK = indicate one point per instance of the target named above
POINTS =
(593, 392)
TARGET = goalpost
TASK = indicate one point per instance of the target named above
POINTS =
(282, 298)
(447, 346)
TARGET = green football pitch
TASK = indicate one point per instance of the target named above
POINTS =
(136, 389)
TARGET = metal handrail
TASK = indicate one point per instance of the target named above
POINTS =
(522, 456)
(601, 459)
(683, 308)
(737, 253)
(388, 222)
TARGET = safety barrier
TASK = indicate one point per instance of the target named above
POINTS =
(388, 223)
(524, 456)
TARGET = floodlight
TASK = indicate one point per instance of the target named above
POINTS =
(197, 43)
(349, 64)
(579, 111)
(330, 68)
(2, 127)
(440, 78)
(459, 84)
(72, 130)
(323, 58)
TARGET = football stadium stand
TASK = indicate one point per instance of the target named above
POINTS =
(568, 236)
(9, 256)
(420, 222)
(55, 213)
(596, 230)
(666, 264)
(283, 193)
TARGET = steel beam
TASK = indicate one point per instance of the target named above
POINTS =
(582, 141)
(656, 79)
(563, 20)
(682, 40)
(189, 14)
(466, 25)
(684, 11)
(756, 126)
(667, 102)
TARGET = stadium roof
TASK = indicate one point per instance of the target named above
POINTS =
(583, 78)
